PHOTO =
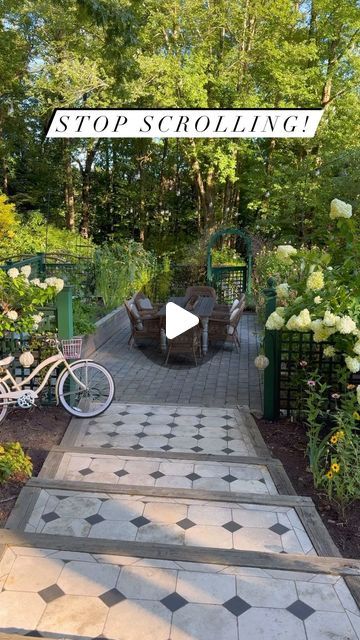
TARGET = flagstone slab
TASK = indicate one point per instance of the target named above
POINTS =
(88, 595)
(158, 472)
(181, 521)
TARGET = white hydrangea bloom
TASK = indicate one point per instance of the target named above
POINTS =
(304, 320)
(37, 318)
(356, 348)
(330, 319)
(353, 364)
(317, 299)
(12, 315)
(13, 273)
(340, 209)
(280, 311)
(285, 251)
(274, 322)
(346, 325)
(26, 270)
(292, 324)
(329, 351)
(282, 290)
(58, 283)
(35, 281)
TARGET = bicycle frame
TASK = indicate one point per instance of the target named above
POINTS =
(17, 390)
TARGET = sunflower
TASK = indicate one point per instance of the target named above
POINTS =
(329, 474)
(335, 467)
(340, 434)
(356, 415)
(334, 438)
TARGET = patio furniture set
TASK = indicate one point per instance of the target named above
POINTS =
(217, 322)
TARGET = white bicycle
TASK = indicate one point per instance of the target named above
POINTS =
(84, 388)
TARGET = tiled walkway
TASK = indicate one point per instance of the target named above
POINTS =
(139, 529)
(222, 378)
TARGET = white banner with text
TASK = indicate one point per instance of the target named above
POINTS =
(184, 123)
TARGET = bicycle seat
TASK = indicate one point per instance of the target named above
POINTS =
(6, 361)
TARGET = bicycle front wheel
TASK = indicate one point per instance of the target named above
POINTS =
(92, 400)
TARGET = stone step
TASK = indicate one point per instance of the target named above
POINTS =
(229, 431)
(155, 471)
(282, 524)
(79, 589)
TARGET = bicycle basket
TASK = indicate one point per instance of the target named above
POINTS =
(72, 348)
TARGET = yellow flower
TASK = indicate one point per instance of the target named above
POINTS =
(335, 467)
(356, 415)
(315, 281)
(329, 474)
(2, 450)
(334, 439)
(340, 434)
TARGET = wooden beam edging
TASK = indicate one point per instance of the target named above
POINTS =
(317, 532)
(3, 549)
(254, 432)
(170, 455)
(23, 508)
(164, 492)
(259, 559)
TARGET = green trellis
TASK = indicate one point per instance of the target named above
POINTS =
(227, 280)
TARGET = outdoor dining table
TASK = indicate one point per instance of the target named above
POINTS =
(202, 310)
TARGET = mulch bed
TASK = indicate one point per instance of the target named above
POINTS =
(287, 441)
(37, 430)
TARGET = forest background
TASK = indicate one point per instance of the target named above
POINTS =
(171, 193)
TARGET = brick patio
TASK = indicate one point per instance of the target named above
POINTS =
(222, 378)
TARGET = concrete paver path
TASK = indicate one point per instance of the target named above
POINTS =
(173, 522)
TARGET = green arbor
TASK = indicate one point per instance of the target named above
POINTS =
(228, 280)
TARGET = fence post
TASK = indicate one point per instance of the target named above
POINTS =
(41, 263)
(272, 351)
(64, 309)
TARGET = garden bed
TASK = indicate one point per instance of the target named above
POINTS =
(37, 430)
(287, 441)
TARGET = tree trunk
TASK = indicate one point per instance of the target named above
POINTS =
(69, 188)
(85, 192)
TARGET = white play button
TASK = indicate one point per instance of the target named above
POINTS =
(178, 320)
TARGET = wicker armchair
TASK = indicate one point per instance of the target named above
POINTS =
(187, 342)
(225, 329)
(141, 327)
(200, 291)
(146, 312)
(223, 311)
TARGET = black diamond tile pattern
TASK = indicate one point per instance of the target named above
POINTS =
(227, 450)
(227, 417)
(141, 434)
(107, 446)
(123, 413)
(166, 447)
(112, 434)
(136, 447)
(157, 474)
(174, 601)
(118, 423)
(229, 478)
(49, 517)
(140, 521)
(149, 413)
(51, 593)
(198, 437)
(196, 449)
(300, 609)
(145, 424)
(186, 523)
(193, 476)
(121, 473)
(279, 528)
(112, 597)
(232, 526)
(34, 634)
(95, 519)
(85, 472)
(236, 606)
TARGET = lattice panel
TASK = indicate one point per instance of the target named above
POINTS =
(229, 282)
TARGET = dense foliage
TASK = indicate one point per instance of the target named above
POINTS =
(179, 53)
(14, 463)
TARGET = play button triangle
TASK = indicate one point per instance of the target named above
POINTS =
(178, 320)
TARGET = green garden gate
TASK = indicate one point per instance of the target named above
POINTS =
(228, 281)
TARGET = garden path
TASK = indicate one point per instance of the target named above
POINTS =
(171, 522)
(222, 378)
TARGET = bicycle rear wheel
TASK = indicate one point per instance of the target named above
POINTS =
(3, 402)
(97, 395)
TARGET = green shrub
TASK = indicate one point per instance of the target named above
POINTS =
(121, 270)
(85, 315)
(14, 463)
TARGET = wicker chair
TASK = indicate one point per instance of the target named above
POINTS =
(225, 329)
(187, 342)
(145, 313)
(200, 290)
(141, 327)
(223, 311)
